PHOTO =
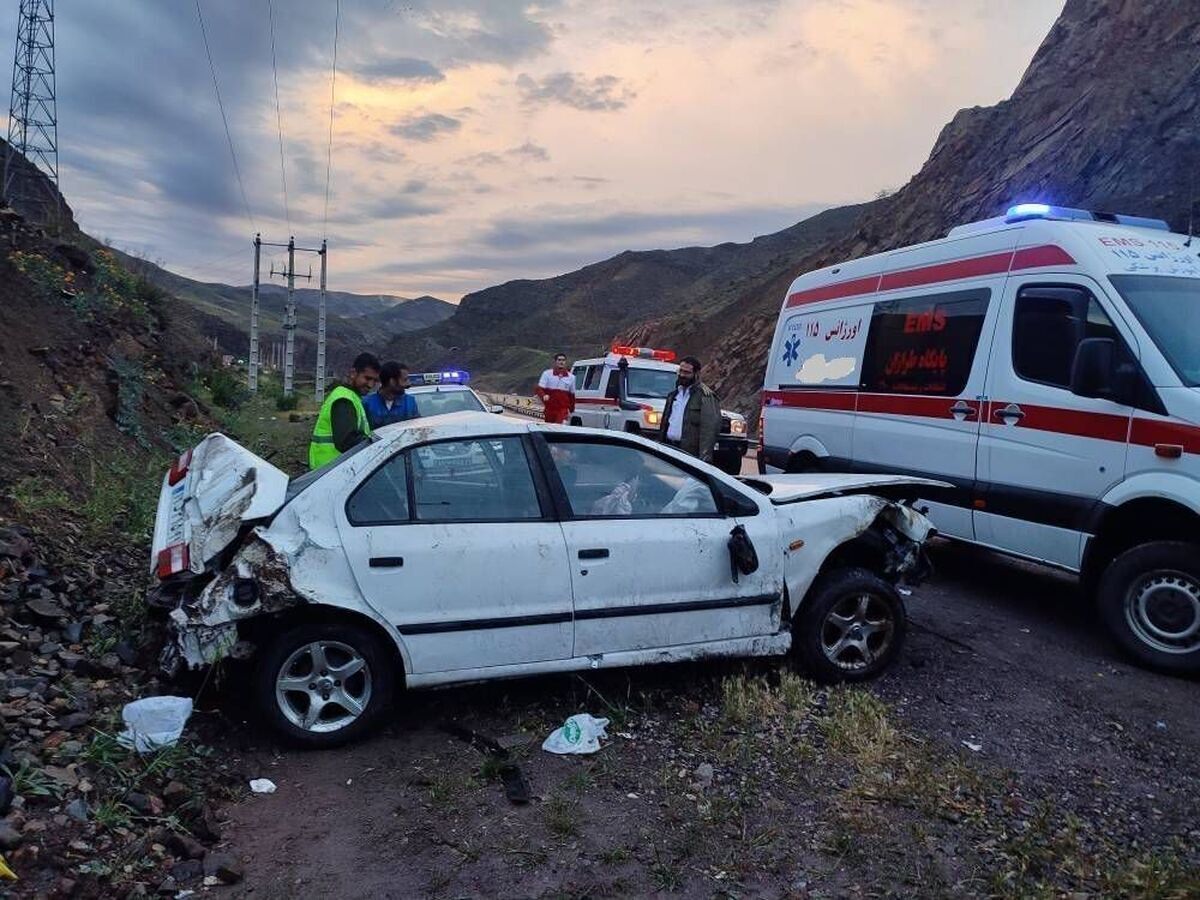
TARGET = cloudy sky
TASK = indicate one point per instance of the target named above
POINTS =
(476, 141)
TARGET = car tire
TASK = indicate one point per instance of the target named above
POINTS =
(290, 677)
(850, 627)
(1149, 599)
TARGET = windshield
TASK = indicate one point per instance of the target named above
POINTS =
(1169, 309)
(436, 403)
(649, 383)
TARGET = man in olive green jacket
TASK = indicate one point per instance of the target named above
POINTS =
(691, 418)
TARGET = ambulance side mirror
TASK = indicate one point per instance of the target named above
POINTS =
(1093, 371)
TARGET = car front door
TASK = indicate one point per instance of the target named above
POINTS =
(1046, 455)
(648, 549)
(456, 544)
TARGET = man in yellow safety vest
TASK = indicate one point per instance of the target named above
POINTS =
(342, 421)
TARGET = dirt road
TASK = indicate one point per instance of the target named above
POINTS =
(1013, 749)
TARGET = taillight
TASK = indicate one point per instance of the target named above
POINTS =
(180, 468)
(173, 560)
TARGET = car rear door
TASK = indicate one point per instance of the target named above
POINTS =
(455, 542)
(648, 550)
(1047, 455)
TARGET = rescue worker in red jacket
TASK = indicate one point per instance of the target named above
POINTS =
(556, 390)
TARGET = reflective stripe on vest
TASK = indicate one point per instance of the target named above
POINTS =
(321, 449)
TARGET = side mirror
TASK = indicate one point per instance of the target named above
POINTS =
(496, 409)
(1093, 368)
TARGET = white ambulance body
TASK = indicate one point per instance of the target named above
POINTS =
(1047, 364)
(603, 399)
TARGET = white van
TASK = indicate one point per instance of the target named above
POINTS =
(1047, 364)
(627, 390)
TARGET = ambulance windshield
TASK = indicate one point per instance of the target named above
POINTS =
(1169, 309)
(649, 383)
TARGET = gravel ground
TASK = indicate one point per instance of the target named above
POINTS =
(1011, 752)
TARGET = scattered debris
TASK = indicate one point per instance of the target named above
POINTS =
(153, 723)
(516, 785)
(262, 786)
(581, 733)
(704, 775)
(973, 747)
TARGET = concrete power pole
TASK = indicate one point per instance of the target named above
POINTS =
(321, 330)
(253, 371)
(289, 323)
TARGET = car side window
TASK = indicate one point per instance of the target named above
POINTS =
(487, 479)
(1049, 321)
(383, 497)
(592, 383)
(580, 373)
(617, 481)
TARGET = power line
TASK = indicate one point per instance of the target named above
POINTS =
(279, 117)
(228, 136)
(337, 15)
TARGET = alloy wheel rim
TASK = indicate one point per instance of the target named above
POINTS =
(323, 686)
(858, 631)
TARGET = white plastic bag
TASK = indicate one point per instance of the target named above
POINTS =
(262, 785)
(579, 734)
(154, 722)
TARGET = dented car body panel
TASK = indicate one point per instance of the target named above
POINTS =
(546, 586)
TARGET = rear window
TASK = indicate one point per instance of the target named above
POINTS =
(308, 479)
(924, 345)
(436, 403)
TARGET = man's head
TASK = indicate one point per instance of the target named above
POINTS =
(689, 371)
(393, 378)
(364, 374)
(560, 361)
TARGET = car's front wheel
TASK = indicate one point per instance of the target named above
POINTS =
(321, 685)
(850, 627)
(1149, 598)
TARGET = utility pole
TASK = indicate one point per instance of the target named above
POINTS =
(289, 318)
(253, 371)
(321, 330)
(33, 107)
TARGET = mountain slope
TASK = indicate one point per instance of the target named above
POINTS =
(1105, 117)
(507, 333)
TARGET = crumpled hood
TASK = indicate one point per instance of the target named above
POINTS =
(792, 488)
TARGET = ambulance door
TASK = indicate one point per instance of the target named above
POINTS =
(919, 407)
(1047, 455)
(589, 400)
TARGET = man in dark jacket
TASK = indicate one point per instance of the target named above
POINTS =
(691, 418)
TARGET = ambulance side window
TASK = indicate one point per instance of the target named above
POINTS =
(592, 383)
(1049, 321)
(924, 345)
(580, 372)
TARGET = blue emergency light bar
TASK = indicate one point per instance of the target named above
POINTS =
(1023, 212)
(449, 376)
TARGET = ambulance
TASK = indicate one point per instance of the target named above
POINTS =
(1046, 364)
(626, 391)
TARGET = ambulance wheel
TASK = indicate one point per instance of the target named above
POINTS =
(850, 627)
(324, 684)
(1149, 600)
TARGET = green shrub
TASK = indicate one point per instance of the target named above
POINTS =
(227, 391)
(286, 404)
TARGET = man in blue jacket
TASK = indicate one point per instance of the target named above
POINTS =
(390, 404)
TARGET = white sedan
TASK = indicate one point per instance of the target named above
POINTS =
(469, 546)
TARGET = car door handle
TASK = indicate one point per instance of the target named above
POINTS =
(594, 553)
(386, 562)
(963, 410)
(1010, 415)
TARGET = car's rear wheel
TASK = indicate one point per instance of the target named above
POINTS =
(850, 627)
(321, 685)
(1149, 599)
